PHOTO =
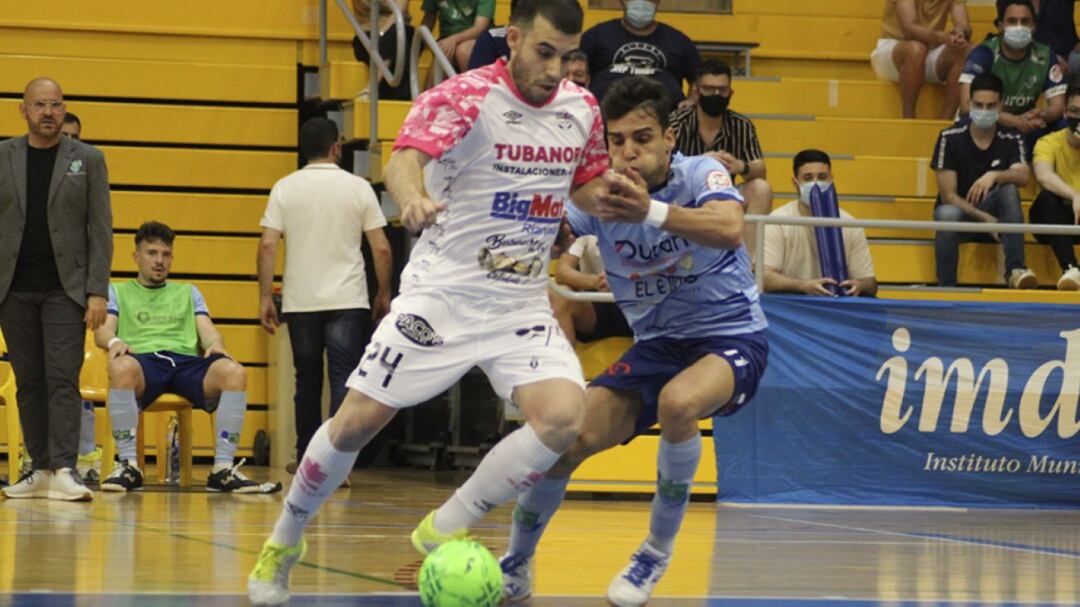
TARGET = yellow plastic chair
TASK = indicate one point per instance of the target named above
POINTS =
(11, 408)
(94, 386)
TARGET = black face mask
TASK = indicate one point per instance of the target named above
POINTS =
(1074, 124)
(713, 105)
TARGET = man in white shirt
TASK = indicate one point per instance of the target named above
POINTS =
(324, 213)
(791, 253)
(582, 269)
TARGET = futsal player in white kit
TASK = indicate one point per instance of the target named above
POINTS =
(484, 165)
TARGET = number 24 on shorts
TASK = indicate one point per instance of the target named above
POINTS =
(384, 361)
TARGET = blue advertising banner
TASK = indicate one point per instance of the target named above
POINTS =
(906, 402)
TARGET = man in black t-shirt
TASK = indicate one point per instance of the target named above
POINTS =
(55, 255)
(979, 167)
(639, 45)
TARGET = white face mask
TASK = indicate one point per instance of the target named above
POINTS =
(1017, 37)
(806, 186)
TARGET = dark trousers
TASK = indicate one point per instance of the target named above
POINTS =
(343, 335)
(1049, 208)
(45, 333)
(1002, 202)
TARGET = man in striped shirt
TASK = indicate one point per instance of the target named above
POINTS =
(710, 128)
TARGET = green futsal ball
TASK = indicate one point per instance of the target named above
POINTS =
(461, 573)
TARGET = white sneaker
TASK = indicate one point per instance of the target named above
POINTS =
(67, 486)
(634, 584)
(1070, 280)
(1023, 278)
(33, 484)
(517, 577)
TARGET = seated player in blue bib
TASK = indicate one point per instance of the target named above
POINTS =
(669, 230)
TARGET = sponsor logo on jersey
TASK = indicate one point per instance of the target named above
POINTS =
(631, 250)
(718, 180)
(417, 330)
(513, 117)
(566, 121)
(537, 209)
(517, 152)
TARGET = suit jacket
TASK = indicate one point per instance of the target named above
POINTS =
(80, 217)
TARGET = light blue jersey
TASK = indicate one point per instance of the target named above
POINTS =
(668, 286)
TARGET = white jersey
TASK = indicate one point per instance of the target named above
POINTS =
(503, 168)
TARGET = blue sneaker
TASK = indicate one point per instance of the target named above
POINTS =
(634, 584)
(517, 578)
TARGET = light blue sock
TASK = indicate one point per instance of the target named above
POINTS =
(534, 510)
(87, 442)
(228, 422)
(124, 416)
(676, 465)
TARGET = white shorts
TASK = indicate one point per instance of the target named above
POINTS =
(428, 342)
(882, 61)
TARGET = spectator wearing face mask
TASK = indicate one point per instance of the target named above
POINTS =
(1027, 68)
(639, 45)
(710, 128)
(791, 253)
(979, 166)
(1057, 169)
(1055, 26)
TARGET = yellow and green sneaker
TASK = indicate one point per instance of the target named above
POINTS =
(425, 538)
(268, 583)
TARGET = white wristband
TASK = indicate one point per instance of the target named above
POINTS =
(657, 214)
(113, 341)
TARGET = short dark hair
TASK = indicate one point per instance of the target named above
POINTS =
(637, 92)
(1074, 87)
(1003, 5)
(155, 230)
(577, 55)
(808, 156)
(988, 82)
(317, 136)
(565, 15)
(712, 67)
(71, 117)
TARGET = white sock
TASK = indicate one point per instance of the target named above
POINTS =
(676, 465)
(124, 417)
(534, 510)
(87, 442)
(228, 422)
(514, 465)
(320, 472)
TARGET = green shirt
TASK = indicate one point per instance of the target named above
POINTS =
(1025, 80)
(157, 319)
(458, 15)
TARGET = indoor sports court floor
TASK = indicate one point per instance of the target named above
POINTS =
(161, 547)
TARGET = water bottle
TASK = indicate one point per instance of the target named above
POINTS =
(172, 448)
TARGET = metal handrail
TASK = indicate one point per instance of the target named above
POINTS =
(441, 65)
(375, 60)
(760, 221)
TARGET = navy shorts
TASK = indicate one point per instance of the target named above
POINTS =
(649, 365)
(172, 373)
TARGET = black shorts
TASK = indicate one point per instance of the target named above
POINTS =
(610, 322)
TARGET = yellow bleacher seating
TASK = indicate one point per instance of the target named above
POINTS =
(135, 78)
(174, 124)
(234, 213)
(12, 426)
(196, 168)
(199, 255)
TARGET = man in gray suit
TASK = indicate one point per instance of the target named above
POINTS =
(55, 253)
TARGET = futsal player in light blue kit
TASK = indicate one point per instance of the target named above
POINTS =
(669, 230)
